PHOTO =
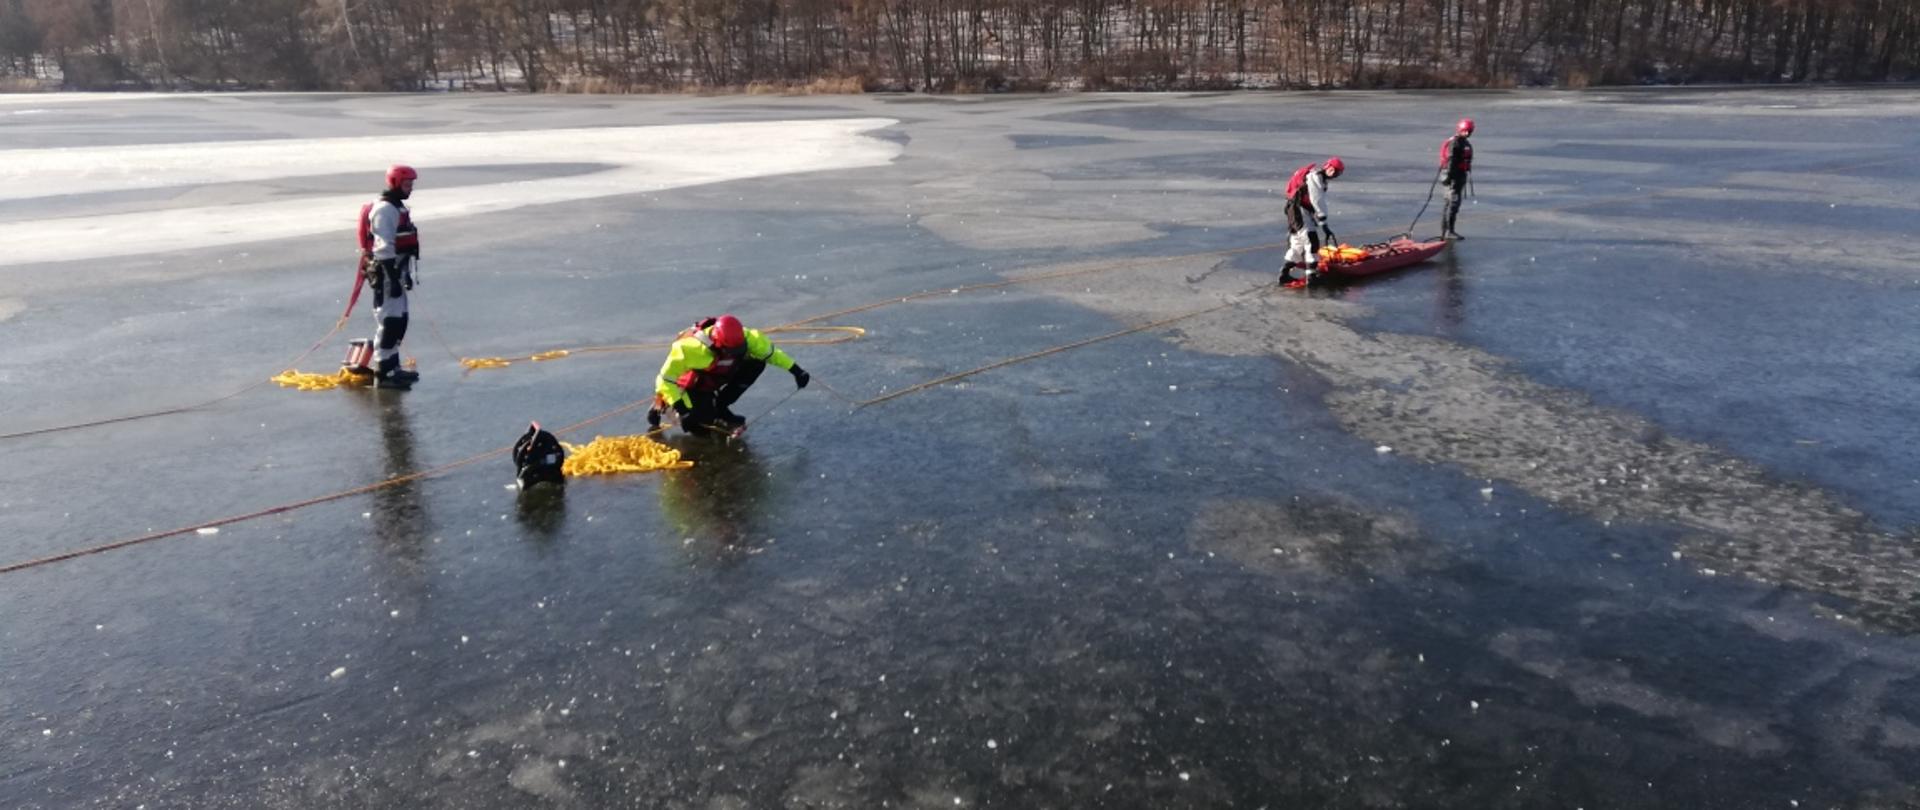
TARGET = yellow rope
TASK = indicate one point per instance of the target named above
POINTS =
(608, 455)
(834, 334)
(308, 381)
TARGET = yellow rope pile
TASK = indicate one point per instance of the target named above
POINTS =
(608, 455)
(308, 381)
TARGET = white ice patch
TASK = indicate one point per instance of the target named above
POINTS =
(12, 99)
(10, 307)
(646, 159)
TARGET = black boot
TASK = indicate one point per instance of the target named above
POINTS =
(704, 422)
(389, 376)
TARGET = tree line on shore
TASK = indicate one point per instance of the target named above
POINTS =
(946, 45)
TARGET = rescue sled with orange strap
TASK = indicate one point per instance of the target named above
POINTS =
(1349, 261)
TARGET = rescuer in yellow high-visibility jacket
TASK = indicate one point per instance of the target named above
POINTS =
(708, 367)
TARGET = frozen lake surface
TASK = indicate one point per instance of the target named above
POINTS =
(1611, 505)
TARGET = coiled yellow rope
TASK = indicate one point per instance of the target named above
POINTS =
(608, 455)
(308, 381)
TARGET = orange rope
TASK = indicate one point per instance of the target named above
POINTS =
(182, 408)
(841, 334)
(288, 507)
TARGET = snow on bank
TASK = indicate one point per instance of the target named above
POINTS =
(647, 159)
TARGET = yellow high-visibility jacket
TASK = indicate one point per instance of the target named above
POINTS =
(693, 363)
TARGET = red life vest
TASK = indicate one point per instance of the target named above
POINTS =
(713, 376)
(406, 238)
(1298, 183)
(1461, 162)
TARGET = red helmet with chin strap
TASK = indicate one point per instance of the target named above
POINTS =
(1466, 126)
(728, 333)
(400, 173)
(1335, 167)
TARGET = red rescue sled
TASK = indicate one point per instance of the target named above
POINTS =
(1348, 261)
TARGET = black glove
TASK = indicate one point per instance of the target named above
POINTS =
(1330, 239)
(800, 377)
(653, 417)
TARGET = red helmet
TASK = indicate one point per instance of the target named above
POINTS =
(1335, 167)
(400, 173)
(1466, 126)
(728, 333)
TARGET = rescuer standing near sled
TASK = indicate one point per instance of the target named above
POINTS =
(389, 246)
(1307, 218)
(1456, 160)
(708, 367)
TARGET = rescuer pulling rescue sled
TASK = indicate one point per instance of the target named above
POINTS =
(1306, 210)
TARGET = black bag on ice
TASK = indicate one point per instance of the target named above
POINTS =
(537, 457)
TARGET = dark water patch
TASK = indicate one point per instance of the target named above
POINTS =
(1168, 118)
(1753, 156)
(1030, 141)
(118, 135)
(1249, 164)
(1694, 357)
(1778, 214)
